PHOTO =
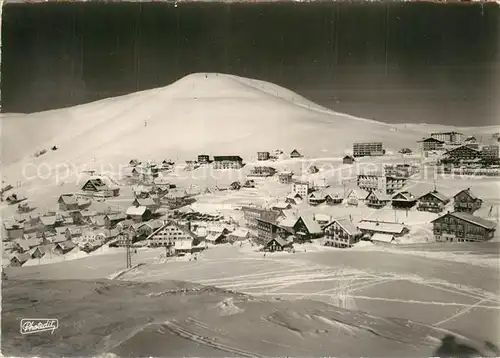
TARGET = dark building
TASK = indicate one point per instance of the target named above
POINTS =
(403, 200)
(67, 202)
(348, 159)
(341, 233)
(252, 214)
(367, 149)
(228, 162)
(263, 155)
(433, 202)
(462, 227)
(203, 159)
(463, 152)
(267, 231)
(263, 171)
(465, 201)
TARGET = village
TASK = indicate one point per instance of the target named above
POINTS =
(388, 205)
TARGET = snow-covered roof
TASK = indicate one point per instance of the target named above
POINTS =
(476, 220)
(293, 195)
(379, 195)
(377, 226)
(136, 210)
(216, 228)
(68, 199)
(116, 216)
(65, 245)
(213, 237)
(279, 240)
(183, 245)
(311, 225)
(145, 202)
(322, 217)
(48, 220)
(22, 258)
(437, 195)
(201, 231)
(240, 232)
(281, 205)
(382, 237)
(469, 192)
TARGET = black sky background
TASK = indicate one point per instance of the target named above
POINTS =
(409, 62)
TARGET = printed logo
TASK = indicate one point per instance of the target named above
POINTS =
(35, 325)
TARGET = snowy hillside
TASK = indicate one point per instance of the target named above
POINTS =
(213, 113)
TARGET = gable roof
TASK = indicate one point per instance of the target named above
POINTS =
(240, 232)
(476, 220)
(66, 245)
(430, 139)
(378, 226)
(145, 202)
(382, 237)
(98, 220)
(437, 195)
(22, 258)
(469, 192)
(68, 199)
(233, 158)
(136, 210)
(279, 240)
(347, 225)
(404, 195)
(172, 223)
(379, 195)
(311, 225)
(48, 220)
(281, 205)
(357, 192)
(295, 151)
(116, 216)
(460, 147)
(97, 183)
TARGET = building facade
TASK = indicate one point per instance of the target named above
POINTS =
(430, 144)
(490, 152)
(228, 162)
(341, 233)
(251, 214)
(263, 171)
(347, 160)
(433, 202)
(466, 201)
(301, 188)
(169, 234)
(267, 231)
(203, 159)
(448, 137)
(367, 149)
(263, 155)
(462, 227)
(285, 177)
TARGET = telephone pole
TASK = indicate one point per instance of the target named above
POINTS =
(128, 243)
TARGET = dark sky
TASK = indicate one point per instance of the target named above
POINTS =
(410, 62)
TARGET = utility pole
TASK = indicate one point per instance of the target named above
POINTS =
(128, 243)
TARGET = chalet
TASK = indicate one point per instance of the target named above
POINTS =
(462, 227)
(57, 239)
(13, 230)
(263, 155)
(169, 234)
(76, 217)
(252, 213)
(217, 230)
(111, 220)
(144, 230)
(47, 223)
(176, 195)
(97, 187)
(316, 198)
(92, 246)
(239, 235)
(302, 188)
(235, 185)
(37, 252)
(332, 198)
(313, 169)
(64, 247)
(293, 198)
(376, 199)
(341, 233)
(462, 153)
(431, 144)
(403, 200)
(228, 162)
(138, 213)
(215, 239)
(470, 139)
(371, 227)
(356, 196)
(24, 245)
(72, 232)
(263, 171)
(67, 202)
(278, 244)
(466, 201)
(285, 177)
(147, 202)
(19, 259)
(348, 159)
(203, 159)
(490, 152)
(267, 230)
(295, 154)
(379, 238)
(433, 202)
(306, 229)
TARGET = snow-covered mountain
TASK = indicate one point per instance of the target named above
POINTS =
(209, 113)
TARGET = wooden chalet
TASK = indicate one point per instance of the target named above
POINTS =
(379, 238)
(13, 230)
(215, 238)
(111, 220)
(97, 187)
(463, 227)
(203, 159)
(267, 230)
(306, 229)
(464, 152)
(431, 144)
(377, 199)
(466, 201)
(18, 260)
(341, 233)
(239, 234)
(285, 177)
(348, 159)
(25, 245)
(281, 206)
(138, 213)
(37, 252)
(67, 202)
(316, 198)
(403, 200)
(169, 234)
(356, 196)
(295, 154)
(433, 202)
(148, 202)
(278, 244)
(235, 185)
(293, 198)
(313, 169)
(64, 247)
(333, 199)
